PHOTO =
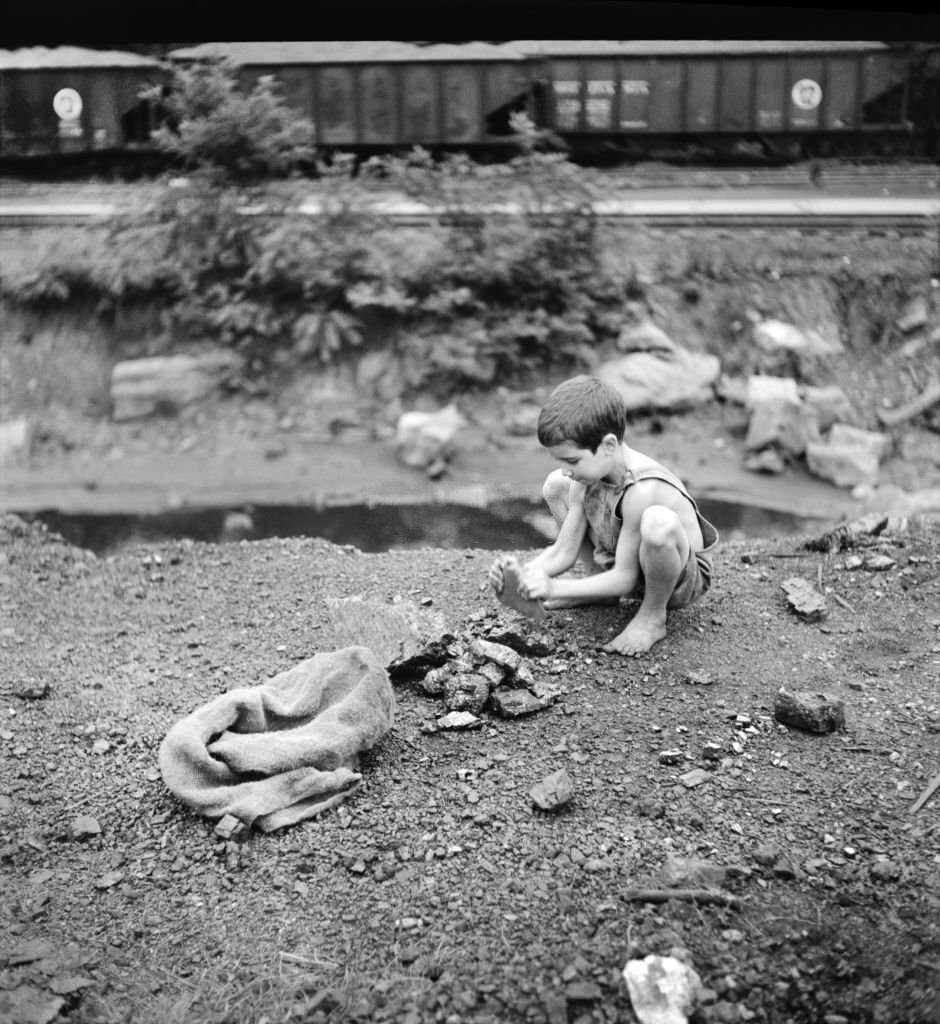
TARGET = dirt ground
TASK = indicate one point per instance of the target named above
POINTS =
(437, 892)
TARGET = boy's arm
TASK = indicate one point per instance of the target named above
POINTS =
(617, 581)
(563, 552)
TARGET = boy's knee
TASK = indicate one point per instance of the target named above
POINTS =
(556, 487)
(660, 527)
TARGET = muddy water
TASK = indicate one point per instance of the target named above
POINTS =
(507, 525)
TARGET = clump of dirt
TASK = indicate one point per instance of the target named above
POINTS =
(438, 892)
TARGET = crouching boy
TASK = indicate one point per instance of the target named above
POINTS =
(626, 517)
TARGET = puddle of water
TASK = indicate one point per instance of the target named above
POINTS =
(503, 526)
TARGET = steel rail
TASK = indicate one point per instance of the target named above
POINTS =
(830, 212)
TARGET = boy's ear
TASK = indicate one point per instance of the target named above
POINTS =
(609, 443)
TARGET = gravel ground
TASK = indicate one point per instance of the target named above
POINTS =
(437, 892)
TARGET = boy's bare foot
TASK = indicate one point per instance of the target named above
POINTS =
(575, 602)
(641, 633)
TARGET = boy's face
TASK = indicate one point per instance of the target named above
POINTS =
(583, 465)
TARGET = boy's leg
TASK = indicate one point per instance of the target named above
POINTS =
(556, 492)
(664, 550)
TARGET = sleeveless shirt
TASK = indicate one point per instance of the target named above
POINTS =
(602, 510)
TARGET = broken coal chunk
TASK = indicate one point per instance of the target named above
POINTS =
(533, 645)
(515, 703)
(818, 713)
(805, 599)
(229, 827)
(466, 691)
(459, 720)
(500, 654)
(553, 792)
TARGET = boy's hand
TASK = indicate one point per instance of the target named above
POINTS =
(536, 583)
(495, 576)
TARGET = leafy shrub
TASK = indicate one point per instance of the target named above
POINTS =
(215, 125)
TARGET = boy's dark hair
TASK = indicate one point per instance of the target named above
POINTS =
(582, 410)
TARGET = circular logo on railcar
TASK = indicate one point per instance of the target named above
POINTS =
(67, 104)
(806, 94)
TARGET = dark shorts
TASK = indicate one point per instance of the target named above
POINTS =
(693, 581)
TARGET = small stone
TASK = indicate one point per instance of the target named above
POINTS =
(767, 460)
(885, 871)
(696, 678)
(109, 880)
(229, 827)
(66, 984)
(459, 720)
(817, 713)
(500, 654)
(712, 751)
(84, 827)
(582, 992)
(767, 854)
(29, 689)
(805, 599)
(670, 756)
(689, 872)
(515, 703)
(29, 951)
(878, 563)
(100, 747)
(552, 792)
(694, 778)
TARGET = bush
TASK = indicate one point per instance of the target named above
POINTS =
(494, 298)
(213, 125)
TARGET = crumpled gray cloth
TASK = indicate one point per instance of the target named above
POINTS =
(275, 754)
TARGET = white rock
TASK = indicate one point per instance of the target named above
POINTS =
(659, 380)
(763, 388)
(645, 337)
(845, 466)
(423, 437)
(141, 387)
(459, 720)
(870, 440)
(831, 405)
(773, 335)
(663, 990)
(914, 315)
(15, 436)
(787, 424)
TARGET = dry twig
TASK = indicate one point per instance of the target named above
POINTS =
(693, 895)
(928, 792)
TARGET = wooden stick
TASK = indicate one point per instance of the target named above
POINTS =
(928, 792)
(927, 398)
(694, 895)
(845, 604)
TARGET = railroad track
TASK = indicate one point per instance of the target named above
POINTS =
(887, 213)
(903, 198)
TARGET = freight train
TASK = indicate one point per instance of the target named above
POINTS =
(684, 100)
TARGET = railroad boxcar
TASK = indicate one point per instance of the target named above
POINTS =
(377, 95)
(69, 100)
(619, 99)
(793, 98)
(634, 97)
